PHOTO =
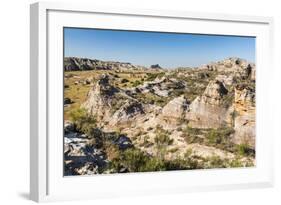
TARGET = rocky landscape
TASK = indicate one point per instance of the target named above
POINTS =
(124, 118)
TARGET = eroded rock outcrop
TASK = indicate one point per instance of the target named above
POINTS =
(244, 108)
(175, 109)
(161, 87)
(206, 111)
(100, 98)
(237, 67)
(127, 113)
(75, 64)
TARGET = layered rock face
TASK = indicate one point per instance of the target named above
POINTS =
(100, 98)
(127, 113)
(111, 105)
(206, 111)
(75, 64)
(245, 118)
(175, 109)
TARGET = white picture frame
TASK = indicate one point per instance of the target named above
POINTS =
(47, 182)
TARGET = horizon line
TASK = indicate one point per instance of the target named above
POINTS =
(120, 61)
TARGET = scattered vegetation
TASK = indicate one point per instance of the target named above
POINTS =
(192, 135)
(150, 98)
(153, 76)
(136, 83)
(84, 122)
(220, 136)
(245, 150)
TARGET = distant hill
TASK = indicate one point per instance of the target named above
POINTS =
(76, 64)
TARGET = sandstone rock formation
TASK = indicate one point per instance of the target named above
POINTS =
(100, 98)
(206, 111)
(175, 109)
(127, 113)
(244, 108)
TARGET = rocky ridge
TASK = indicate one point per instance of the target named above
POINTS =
(76, 64)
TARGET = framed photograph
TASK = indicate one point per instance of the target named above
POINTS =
(129, 102)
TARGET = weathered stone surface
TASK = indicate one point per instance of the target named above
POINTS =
(100, 97)
(206, 111)
(127, 113)
(175, 109)
(225, 79)
(244, 124)
(161, 87)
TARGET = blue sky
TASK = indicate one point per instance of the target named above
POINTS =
(146, 48)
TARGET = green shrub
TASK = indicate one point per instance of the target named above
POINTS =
(154, 164)
(135, 160)
(236, 163)
(214, 137)
(163, 139)
(132, 159)
(187, 162)
(153, 76)
(245, 150)
(216, 162)
(83, 121)
(192, 131)
(150, 98)
(136, 83)
(219, 136)
(191, 135)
